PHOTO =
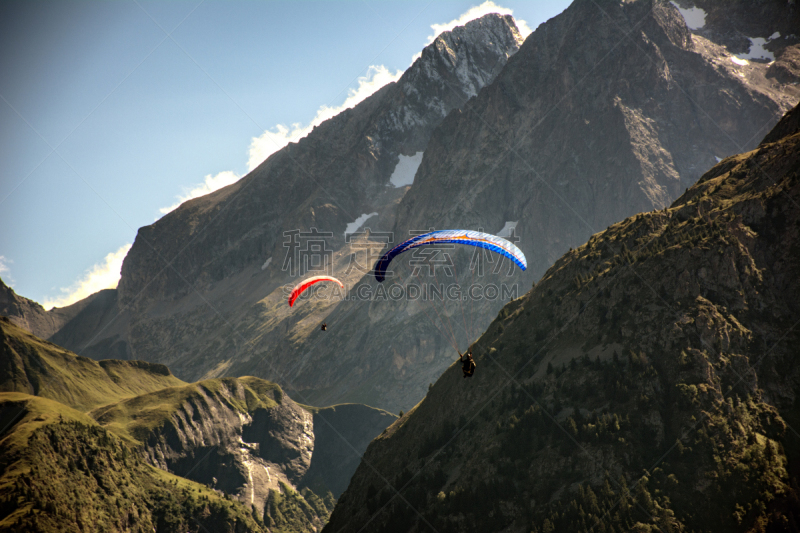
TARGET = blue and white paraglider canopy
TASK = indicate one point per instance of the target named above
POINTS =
(458, 236)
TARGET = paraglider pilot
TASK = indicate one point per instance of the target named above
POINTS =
(467, 363)
(324, 327)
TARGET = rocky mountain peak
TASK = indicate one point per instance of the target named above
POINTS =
(31, 316)
(326, 180)
(599, 115)
(609, 109)
(475, 52)
(449, 71)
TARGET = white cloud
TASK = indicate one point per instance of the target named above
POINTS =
(209, 185)
(271, 141)
(377, 76)
(5, 272)
(104, 275)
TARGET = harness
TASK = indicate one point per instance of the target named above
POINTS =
(468, 367)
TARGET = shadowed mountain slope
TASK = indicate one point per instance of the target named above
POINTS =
(650, 381)
(202, 288)
(607, 110)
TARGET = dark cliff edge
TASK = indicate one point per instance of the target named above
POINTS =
(342, 434)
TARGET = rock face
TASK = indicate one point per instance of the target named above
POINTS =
(737, 23)
(607, 110)
(765, 32)
(326, 180)
(232, 243)
(86, 478)
(243, 436)
(648, 382)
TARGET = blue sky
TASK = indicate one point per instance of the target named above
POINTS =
(112, 112)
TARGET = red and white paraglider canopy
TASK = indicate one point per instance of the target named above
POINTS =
(306, 283)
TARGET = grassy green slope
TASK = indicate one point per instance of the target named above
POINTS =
(35, 366)
(63, 472)
(142, 419)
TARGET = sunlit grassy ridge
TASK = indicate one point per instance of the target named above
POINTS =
(34, 366)
(136, 417)
(63, 472)
(84, 463)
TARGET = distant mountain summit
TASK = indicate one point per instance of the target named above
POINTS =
(608, 109)
(233, 241)
(326, 180)
(30, 315)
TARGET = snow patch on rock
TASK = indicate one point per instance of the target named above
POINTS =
(508, 229)
(757, 50)
(405, 170)
(694, 16)
(353, 226)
